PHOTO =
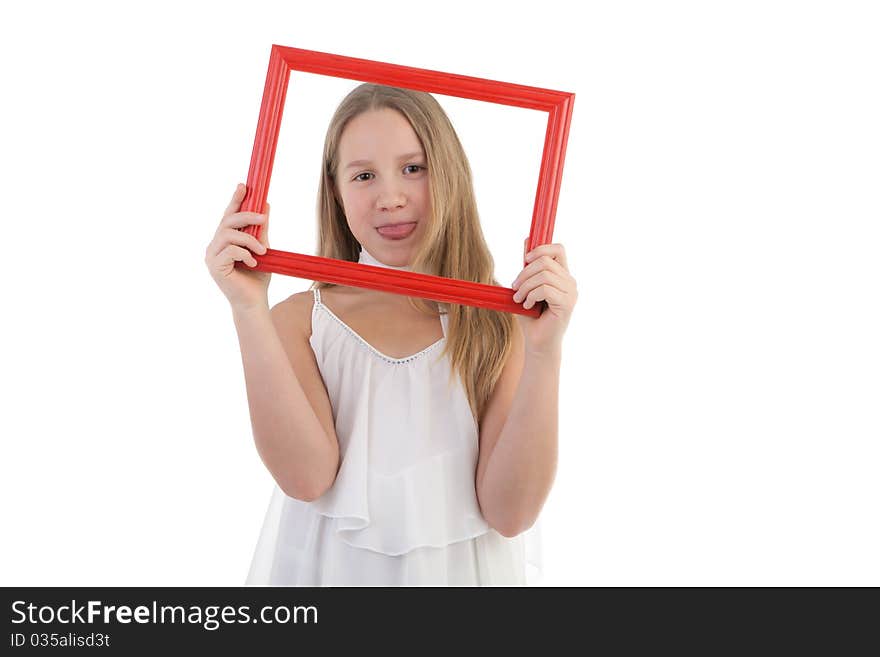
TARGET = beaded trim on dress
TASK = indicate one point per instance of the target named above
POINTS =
(366, 258)
(367, 345)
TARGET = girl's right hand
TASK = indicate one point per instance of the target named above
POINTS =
(244, 289)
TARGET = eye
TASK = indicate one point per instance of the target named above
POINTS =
(417, 167)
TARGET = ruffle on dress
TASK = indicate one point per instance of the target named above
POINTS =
(423, 492)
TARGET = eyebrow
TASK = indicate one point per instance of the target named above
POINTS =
(358, 163)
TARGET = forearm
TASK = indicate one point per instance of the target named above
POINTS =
(288, 435)
(521, 469)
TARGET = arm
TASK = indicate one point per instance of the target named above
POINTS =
(519, 431)
(297, 446)
(519, 464)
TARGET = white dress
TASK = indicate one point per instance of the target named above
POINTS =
(403, 510)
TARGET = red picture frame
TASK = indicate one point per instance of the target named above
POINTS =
(282, 59)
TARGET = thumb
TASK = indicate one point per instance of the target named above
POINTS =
(525, 248)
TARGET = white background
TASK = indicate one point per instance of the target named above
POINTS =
(719, 416)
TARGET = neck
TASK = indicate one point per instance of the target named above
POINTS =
(367, 259)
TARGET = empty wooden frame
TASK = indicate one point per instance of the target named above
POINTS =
(282, 60)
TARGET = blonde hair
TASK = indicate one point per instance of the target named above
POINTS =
(478, 339)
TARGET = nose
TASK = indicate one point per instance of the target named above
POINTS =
(390, 197)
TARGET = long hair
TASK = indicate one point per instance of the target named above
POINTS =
(479, 339)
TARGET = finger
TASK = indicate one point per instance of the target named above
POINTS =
(552, 295)
(536, 281)
(556, 251)
(541, 264)
(263, 230)
(234, 236)
(547, 286)
(241, 220)
(237, 198)
(232, 253)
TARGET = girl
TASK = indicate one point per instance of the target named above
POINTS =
(406, 450)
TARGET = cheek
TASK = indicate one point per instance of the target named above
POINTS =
(360, 211)
(358, 200)
(425, 194)
(354, 203)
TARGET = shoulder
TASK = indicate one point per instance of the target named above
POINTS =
(295, 313)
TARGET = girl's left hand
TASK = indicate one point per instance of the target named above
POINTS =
(545, 277)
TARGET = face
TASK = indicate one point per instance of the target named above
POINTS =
(382, 180)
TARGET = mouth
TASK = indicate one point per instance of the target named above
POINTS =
(397, 231)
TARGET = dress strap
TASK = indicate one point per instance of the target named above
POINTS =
(316, 293)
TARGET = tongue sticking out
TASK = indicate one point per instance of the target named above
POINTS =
(400, 230)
